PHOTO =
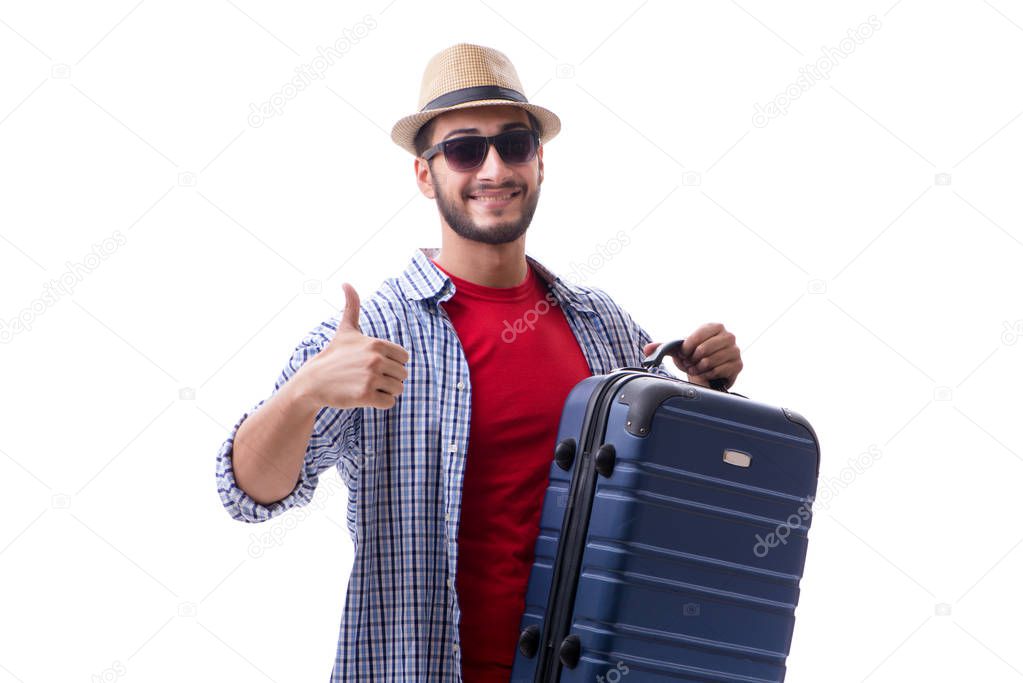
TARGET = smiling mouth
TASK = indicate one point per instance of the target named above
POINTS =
(496, 199)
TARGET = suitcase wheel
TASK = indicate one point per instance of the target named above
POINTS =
(529, 641)
(564, 454)
(571, 649)
(605, 460)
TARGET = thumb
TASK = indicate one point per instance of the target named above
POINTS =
(650, 348)
(350, 316)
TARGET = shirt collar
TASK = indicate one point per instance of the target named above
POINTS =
(424, 281)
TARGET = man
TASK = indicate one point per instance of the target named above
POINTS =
(440, 422)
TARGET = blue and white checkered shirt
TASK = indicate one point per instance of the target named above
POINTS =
(403, 468)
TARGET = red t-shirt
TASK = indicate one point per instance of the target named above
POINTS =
(523, 360)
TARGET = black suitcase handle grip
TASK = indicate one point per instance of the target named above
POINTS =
(669, 348)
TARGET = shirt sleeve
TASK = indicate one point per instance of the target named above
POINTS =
(336, 440)
(643, 338)
(626, 332)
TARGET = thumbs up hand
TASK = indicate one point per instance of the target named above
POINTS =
(349, 321)
(354, 370)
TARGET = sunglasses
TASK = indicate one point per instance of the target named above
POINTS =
(467, 153)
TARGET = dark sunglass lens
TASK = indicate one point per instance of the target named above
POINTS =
(464, 153)
(517, 146)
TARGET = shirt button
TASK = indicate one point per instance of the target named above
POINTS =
(460, 385)
(452, 448)
(447, 517)
(455, 647)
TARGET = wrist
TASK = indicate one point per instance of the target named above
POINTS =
(298, 394)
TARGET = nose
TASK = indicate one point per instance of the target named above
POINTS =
(493, 166)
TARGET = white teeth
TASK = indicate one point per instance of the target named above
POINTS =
(489, 198)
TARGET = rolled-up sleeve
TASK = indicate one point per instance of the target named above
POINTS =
(336, 440)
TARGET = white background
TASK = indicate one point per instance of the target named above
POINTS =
(867, 291)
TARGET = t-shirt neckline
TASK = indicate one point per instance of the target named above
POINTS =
(506, 294)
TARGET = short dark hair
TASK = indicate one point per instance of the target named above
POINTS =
(425, 134)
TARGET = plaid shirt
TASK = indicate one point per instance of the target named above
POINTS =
(403, 469)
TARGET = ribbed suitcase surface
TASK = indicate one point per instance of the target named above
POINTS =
(673, 536)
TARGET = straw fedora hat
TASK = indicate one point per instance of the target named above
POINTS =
(464, 76)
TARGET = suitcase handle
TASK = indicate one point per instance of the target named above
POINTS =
(669, 348)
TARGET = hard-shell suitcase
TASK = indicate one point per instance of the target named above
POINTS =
(673, 535)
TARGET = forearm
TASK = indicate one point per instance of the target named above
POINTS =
(270, 445)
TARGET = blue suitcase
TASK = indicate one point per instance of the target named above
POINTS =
(673, 535)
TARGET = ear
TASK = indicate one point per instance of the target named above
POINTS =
(424, 177)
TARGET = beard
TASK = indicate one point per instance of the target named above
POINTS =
(498, 233)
